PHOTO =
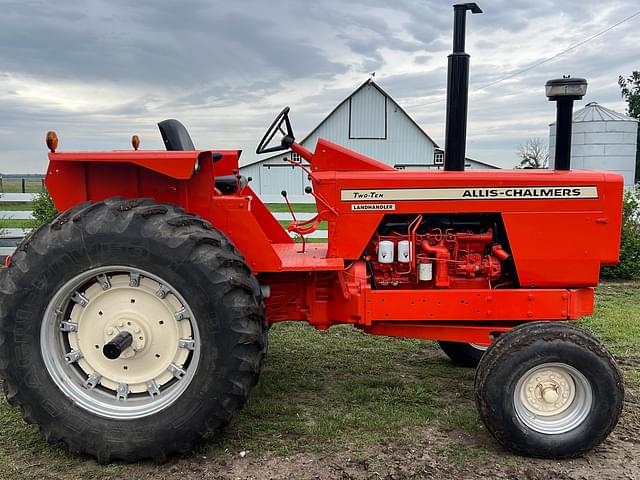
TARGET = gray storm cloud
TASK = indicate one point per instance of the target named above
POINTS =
(99, 71)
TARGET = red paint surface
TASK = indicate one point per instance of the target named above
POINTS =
(557, 245)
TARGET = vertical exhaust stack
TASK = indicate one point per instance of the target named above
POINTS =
(457, 91)
(564, 91)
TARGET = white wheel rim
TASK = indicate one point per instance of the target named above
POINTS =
(91, 309)
(553, 398)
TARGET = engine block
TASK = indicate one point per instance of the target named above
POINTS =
(439, 253)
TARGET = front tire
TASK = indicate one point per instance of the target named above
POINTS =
(171, 281)
(548, 390)
(463, 354)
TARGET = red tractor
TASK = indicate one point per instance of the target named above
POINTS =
(136, 322)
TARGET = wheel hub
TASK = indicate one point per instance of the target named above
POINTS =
(553, 398)
(548, 391)
(134, 307)
(99, 306)
(133, 327)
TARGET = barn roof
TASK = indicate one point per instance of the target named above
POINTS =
(367, 82)
(482, 163)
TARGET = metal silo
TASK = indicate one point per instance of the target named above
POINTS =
(602, 140)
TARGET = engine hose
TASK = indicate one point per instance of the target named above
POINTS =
(372, 273)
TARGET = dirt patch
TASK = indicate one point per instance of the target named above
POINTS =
(430, 454)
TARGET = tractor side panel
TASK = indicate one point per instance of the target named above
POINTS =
(67, 184)
(233, 216)
(561, 226)
(555, 250)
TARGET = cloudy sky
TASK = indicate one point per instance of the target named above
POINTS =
(99, 71)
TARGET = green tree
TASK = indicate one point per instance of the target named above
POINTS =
(630, 89)
(43, 209)
(534, 153)
(629, 266)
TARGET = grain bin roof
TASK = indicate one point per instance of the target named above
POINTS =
(594, 112)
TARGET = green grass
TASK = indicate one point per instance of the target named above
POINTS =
(13, 223)
(297, 207)
(322, 392)
(16, 206)
(14, 185)
(617, 319)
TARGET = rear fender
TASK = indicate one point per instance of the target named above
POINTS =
(185, 178)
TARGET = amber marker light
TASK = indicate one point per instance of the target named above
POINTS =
(52, 141)
(135, 142)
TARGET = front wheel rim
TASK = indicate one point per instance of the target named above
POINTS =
(92, 308)
(553, 398)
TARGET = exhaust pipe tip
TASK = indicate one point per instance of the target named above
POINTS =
(457, 91)
(564, 91)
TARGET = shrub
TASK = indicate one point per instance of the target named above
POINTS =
(43, 209)
(629, 266)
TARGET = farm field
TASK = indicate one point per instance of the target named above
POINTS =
(342, 404)
(14, 185)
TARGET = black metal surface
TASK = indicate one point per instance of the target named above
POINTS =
(457, 91)
(117, 345)
(564, 123)
(564, 92)
(228, 184)
(288, 137)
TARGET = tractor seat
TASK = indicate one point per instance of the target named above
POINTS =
(228, 184)
(176, 137)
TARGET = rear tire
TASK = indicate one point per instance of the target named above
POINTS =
(463, 354)
(187, 284)
(549, 390)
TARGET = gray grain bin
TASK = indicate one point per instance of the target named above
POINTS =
(602, 140)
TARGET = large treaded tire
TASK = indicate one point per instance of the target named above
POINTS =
(462, 354)
(527, 347)
(191, 255)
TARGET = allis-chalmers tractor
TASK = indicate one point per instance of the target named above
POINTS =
(136, 322)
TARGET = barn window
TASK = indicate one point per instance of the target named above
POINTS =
(295, 157)
(368, 114)
(438, 157)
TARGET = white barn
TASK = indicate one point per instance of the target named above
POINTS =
(368, 121)
(601, 140)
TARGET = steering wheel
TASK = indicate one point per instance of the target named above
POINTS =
(276, 126)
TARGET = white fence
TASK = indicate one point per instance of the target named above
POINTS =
(17, 197)
(10, 237)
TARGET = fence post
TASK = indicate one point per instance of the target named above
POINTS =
(24, 186)
(1, 186)
(42, 187)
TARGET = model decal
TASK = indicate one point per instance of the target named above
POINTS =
(477, 193)
(373, 206)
